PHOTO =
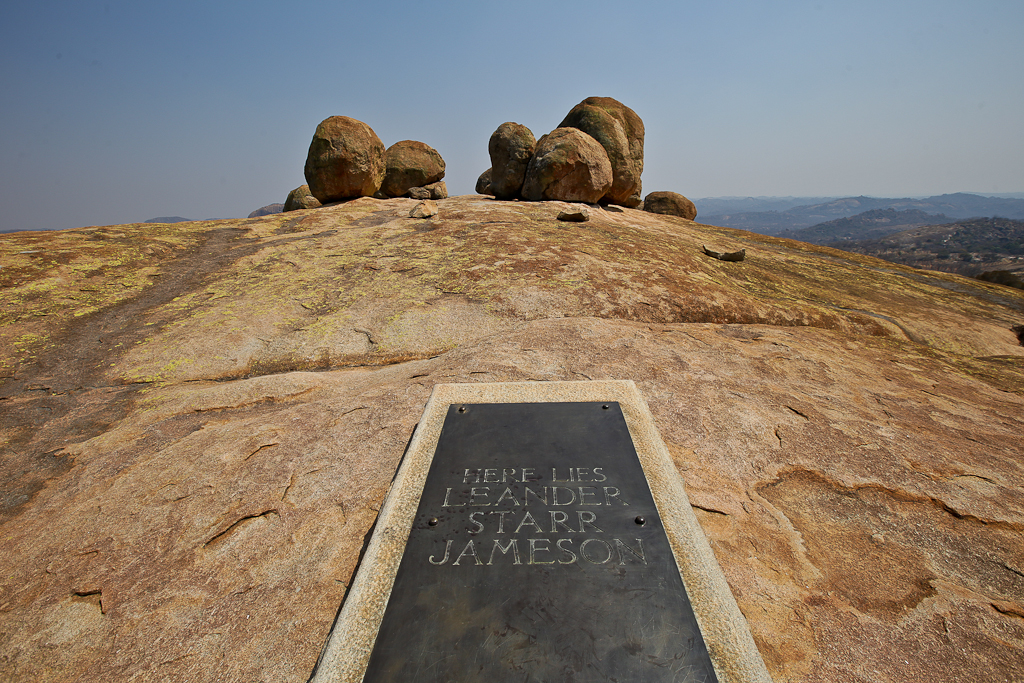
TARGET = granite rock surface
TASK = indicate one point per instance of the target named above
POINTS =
(200, 421)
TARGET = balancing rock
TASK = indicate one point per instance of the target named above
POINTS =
(345, 160)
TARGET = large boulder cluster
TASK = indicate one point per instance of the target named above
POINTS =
(595, 155)
(346, 160)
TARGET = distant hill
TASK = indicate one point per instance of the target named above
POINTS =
(868, 225)
(267, 210)
(966, 247)
(168, 219)
(714, 206)
(956, 206)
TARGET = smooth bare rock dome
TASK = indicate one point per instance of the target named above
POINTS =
(621, 132)
(511, 146)
(345, 160)
(483, 183)
(301, 198)
(200, 422)
(570, 166)
(410, 164)
(670, 204)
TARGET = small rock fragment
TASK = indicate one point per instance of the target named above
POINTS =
(424, 209)
(438, 190)
(726, 255)
(575, 215)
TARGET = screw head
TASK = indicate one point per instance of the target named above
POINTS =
(640, 520)
(432, 521)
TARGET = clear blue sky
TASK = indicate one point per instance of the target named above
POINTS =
(115, 112)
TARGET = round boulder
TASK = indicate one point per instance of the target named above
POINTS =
(670, 204)
(345, 160)
(300, 198)
(569, 166)
(410, 164)
(510, 147)
(483, 183)
(621, 132)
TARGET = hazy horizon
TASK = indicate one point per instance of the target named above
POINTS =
(121, 112)
(697, 200)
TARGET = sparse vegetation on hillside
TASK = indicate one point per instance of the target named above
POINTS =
(1003, 277)
(967, 247)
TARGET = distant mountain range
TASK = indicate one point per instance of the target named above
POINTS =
(717, 206)
(795, 217)
(868, 225)
(168, 219)
(268, 210)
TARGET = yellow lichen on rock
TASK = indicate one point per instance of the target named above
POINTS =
(207, 445)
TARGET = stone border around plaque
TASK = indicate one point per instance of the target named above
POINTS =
(729, 643)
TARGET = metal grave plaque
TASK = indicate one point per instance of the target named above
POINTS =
(537, 554)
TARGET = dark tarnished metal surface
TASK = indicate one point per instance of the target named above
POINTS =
(537, 554)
